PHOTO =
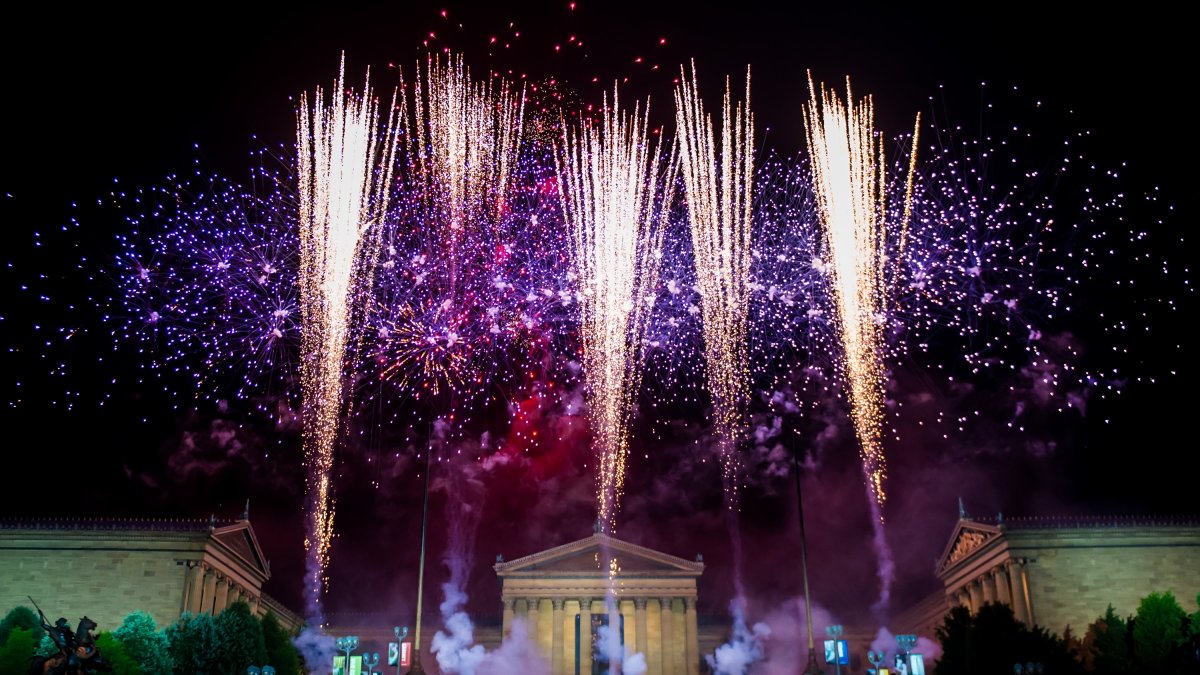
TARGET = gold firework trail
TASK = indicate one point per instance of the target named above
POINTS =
(468, 137)
(719, 194)
(615, 201)
(850, 184)
(345, 167)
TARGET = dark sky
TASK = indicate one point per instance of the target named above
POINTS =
(102, 93)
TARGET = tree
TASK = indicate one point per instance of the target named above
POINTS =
(1110, 644)
(992, 640)
(281, 651)
(112, 651)
(240, 637)
(1157, 630)
(17, 652)
(145, 643)
(953, 636)
(194, 644)
(21, 617)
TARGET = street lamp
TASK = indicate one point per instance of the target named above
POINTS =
(372, 663)
(265, 670)
(875, 659)
(347, 644)
(811, 668)
(400, 633)
(1028, 669)
(833, 647)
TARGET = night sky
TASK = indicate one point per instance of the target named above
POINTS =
(102, 93)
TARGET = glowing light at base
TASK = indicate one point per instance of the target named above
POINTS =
(849, 180)
(345, 170)
(615, 204)
(719, 196)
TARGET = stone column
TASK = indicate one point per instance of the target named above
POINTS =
(1000, 579)
(558, 643)
(534, 614)
(976, 595)
(1027, 592)
(585, 636)
(195, 587)
(508, 604)
(988, 583)
(209, 591)
(222, 595)
(1020, 608)
(668, 644)
(692, 667)
(639, 618)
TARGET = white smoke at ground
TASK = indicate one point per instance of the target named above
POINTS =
(746, 646)
(318, 649)
(461, 482)
(787, 647)
(886, 643)
(516, 655)
(608, 642)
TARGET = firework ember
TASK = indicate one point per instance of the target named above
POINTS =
(345, 165)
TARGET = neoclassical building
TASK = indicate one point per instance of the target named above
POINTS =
(561, 593)
(1060, 572)
(106, 568)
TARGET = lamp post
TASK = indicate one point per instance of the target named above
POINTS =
(875, 659)
(265, 670)
(812, 668)
(347, 643)
(416, 666)
(372, 663)
(1027, 669)
(400, 633)
(906, 644)
(835, 633)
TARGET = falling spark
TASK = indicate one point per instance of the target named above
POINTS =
(615, 213)
(719, 195)
(471, 135)
(849, 182)
(345, 167)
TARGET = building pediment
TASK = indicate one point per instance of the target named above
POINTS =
(239, 538)
(969, 536)
(589, 556)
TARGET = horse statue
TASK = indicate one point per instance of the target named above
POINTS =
(77, 650)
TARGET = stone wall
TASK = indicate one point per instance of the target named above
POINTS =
(1075, 574)
(103, 575)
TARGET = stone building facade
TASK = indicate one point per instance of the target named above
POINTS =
(561, 593)
(1060, 572)
(108, 568)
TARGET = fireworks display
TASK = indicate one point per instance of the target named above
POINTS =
(848, 173)
(719, 206)
(616, 203)
(480, 261)
(345, 169)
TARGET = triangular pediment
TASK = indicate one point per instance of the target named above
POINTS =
(969, 536)
(589, 556)
(240, 539)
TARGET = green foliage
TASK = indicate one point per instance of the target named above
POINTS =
(113, 652)
(992, 640)
(953, 636)
(17, 652)
(194, 645)
(46, 647)
(145, 643)
(240, 638)
(1157, 631)
(21, 617)
(281, 652)
(1110, 644)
